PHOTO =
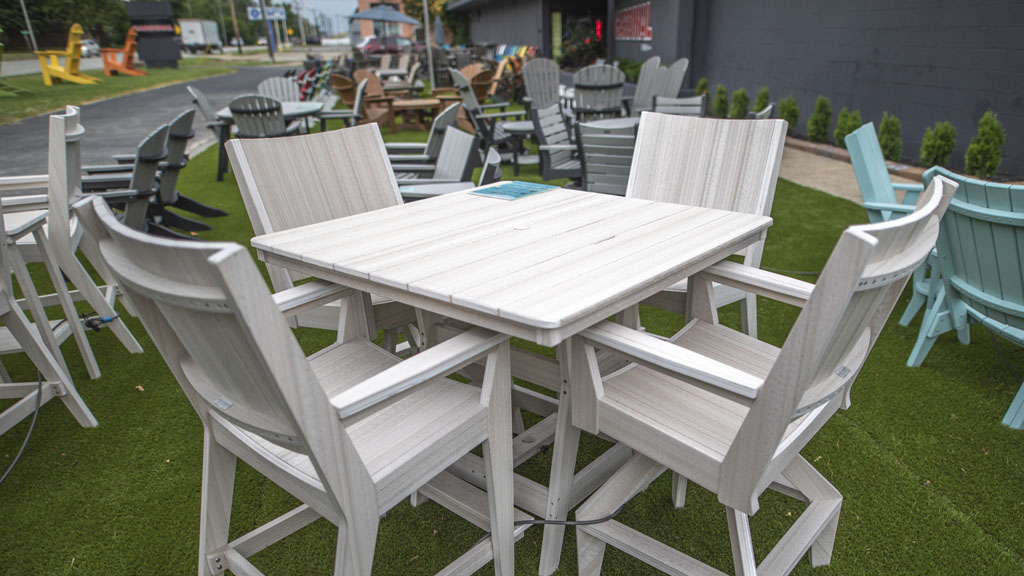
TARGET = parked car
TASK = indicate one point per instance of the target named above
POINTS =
(90, 48)
(236, 41)
(374, 45)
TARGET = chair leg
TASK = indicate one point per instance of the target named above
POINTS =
(356, 543)
(678, 490)
(215, 510)
(1014, 417)
(821, 549)
(497, 452)
(81, 280)
(35, 306)
(936, 321)
(742, 544)
(919, 287)
(589, 554)
(748, 315)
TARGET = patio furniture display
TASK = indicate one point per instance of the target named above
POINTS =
(400, 68)
(460, 153)
(676, 75)
(112, 65)
(490, 173)
(60, 187)
(485, 124)
(689, 106)
(344, 87)
(715, 164)
(763, 114)
(597, 92)
(135, 195)
(542, 267)
(350, 117)
(289, 110)
(281, 182)
(280, 88)
(377, 104)
(977, 272)
(206, 111)
(54, 71)
(415, 111)
(605, 157)
(651, 81)
(350, 432)
(558, 158)
(731, 413)
(879, 193)
(541, 77)
(404, 87)
(259, 117)
(420, 152)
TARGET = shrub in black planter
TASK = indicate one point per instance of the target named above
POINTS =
(702, 86)
(790, 112)
(985, 152)
(820, 120)
(937, 144)
(764, 98)
(740, 104)
(720, 107)
(847, 122)
(889, 137)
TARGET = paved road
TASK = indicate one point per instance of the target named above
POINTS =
(117, 125)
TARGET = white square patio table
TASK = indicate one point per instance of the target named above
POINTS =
(541, 267)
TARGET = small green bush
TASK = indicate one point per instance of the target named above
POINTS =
(820, 120)
(790, 112)
(764, 98)
(631, 68)
(702, 86)
(740, 104)
(937, 144)
(720, 107)
(889, 137)
(847, 122)
(985, 152)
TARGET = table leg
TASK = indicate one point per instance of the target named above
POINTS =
(223, 134)
(516, 143)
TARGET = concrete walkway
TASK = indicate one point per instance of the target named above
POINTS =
(829, 175)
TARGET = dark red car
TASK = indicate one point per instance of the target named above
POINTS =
(395, 44)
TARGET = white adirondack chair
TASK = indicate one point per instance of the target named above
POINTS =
(732, 413)
(676, 75)
(292, 182)
(605, 157)
(650, 83)
(712, 163)
(350, 431)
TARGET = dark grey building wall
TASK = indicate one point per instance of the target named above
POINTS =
(516, 22)
(923, 60)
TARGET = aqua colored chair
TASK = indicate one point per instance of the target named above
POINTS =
(982, 277)
(879, 193)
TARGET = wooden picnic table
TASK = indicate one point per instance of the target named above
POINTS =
(290, 110)
(419, 108)
(542, 267)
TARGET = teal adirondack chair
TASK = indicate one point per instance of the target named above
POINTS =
(981, 270)
(879, 192)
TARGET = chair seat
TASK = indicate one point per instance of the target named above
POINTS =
(571, 164)
(394, 438)
(27, 244)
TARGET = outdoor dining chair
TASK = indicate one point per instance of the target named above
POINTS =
(649, 83)
(350, 431)
(541, 77)
(605, 157)
(259, 117)
(420, 152)
(291, 182)
(459, 154)
(350, 117)
(489, 174)
(676, 75)
(687, 106)
(731, 413)
(598, 92)
(711, 163)
(558, 155)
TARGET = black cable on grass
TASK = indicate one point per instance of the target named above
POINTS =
(999, 351)
(39, 401)
(536, 521)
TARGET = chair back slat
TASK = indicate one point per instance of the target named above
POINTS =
(455, 160)
(64, 166)
(869, 168)
(437, 129)
(541, 77)
(598, 91)
(676, 76)
(606, 155)
(150, 153)
(690, 106)
(280, 88)
(374, 89)
(492, 168)
(652, 78)
(203, 103)
(385, 61)
(179, 133)
(550, 129)
(469, 100)
(258, 116)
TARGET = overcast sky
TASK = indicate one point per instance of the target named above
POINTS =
(331, 8)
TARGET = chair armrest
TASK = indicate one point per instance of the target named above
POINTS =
(434, 362)
(336, 114)
(418, 190)
(556, 147)
(413, 167)
(488, 116)
(122, 195)
(33, 182)
(675, 360)
(14, 232)
(51, 52)
(108, 168)
(908, 186)
(760, 282)
(376, 99)
(307, 296)
(425, 181)
(420, 158)
(25, 203)
(124, 158)
(410, 147)
(902, 208)
(501, 105)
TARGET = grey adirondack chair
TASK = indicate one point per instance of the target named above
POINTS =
(424, 152)
(280, 88)
(351, 116)
(712, 163)
(605, 157)
(689, 106)
(406, 85)
(490, 174)
(979, 275)
(459, 155)
(763, 114)
(558, 155)
(541, 77)
(350, 432)
(487, 125)
(650, 82)
(259, 117)
(732, 413)
(676, 76)
(206, 111)
(597, 91)
(879, 194)
(291, 182)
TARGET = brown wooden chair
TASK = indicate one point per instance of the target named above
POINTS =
(377, 105)
(345, 88)
(49, 61)
(111, 64)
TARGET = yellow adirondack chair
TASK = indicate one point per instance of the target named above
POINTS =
(49, 61)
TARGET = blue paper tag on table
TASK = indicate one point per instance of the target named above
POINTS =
(513, 190)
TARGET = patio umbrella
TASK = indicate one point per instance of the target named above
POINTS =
(385, 13)
(438, 31)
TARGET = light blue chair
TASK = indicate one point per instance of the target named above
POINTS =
(981, 270)
(879, 193)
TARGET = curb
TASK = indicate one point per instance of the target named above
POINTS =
(836, 153)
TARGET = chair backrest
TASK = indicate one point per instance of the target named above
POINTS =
(709, 162)
(131, 41)
(472, 69)
(763, 114)
(179, 133)
(676, 76)
(455, 161)
(652, 78)
(442, 121)
(385, 61)
(213, 320)
(598, 91)
(871, 171)
(299, 180)
(605, 157)
(828, 344)
(414, 70)
(481, 83)
(344, 87)
(541, 75)
(64, 166)
(403, 62)
(150, 153)
(469, 101)
(689, 106)
(492, 168)
(550, 128)
(357, 104)
(201, 102)
(980, 255)
(374, 89)
(280, 88)
(257, 116)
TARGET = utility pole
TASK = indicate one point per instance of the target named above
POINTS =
(223, 28)
(28, 24)
(302, 25)
(270, 31)
(234, 21)
(426, 42)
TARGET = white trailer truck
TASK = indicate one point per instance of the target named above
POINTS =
(200, 35)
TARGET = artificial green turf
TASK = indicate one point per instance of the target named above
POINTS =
(932, 480)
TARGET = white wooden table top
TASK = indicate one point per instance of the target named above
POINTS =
(541, 267)
(290, 110)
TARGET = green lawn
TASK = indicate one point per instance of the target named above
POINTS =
(41, 98)
(932, 480)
